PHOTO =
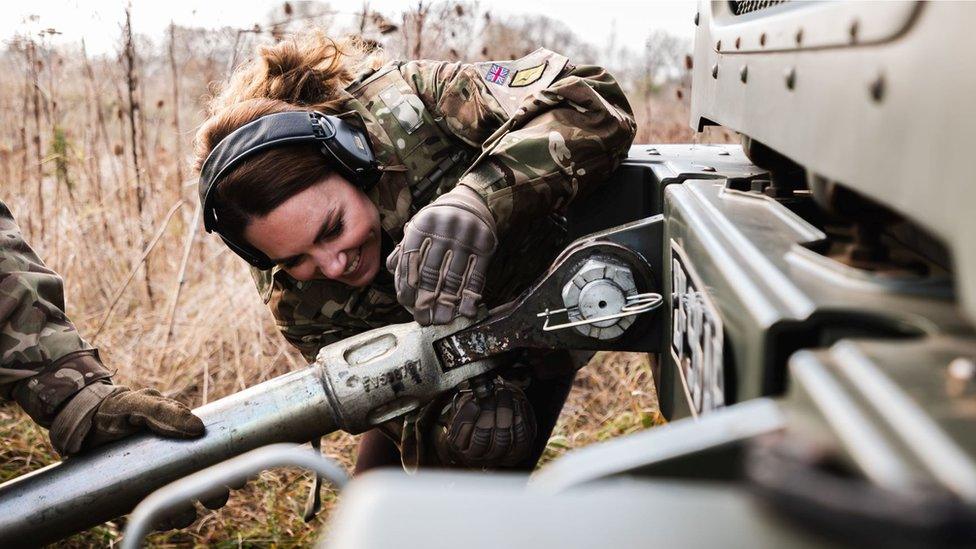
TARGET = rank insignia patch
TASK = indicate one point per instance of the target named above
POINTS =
(496, 74)
(527, 76)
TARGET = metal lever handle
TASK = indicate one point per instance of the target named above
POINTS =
(636, 304)
(231, 472)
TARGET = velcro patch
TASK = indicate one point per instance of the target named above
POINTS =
(527, 76)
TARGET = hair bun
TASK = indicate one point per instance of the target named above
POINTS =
(303, 71)
(306, 71)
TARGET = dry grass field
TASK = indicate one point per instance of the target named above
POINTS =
(93, 163)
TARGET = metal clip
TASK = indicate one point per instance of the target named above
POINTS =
(636, 304)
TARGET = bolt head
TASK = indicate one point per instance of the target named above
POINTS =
(715, 70)
(744, 73)
(791, 78)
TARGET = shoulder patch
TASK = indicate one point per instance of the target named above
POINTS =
(524, 77)
(497, 74)
(510, 82)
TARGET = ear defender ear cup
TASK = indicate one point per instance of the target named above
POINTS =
(346, 148)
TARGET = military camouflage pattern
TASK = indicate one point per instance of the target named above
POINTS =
(528, 150)
(43, 360)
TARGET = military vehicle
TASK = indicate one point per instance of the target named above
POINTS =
(810, 295)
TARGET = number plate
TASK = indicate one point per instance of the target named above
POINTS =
(696, 336)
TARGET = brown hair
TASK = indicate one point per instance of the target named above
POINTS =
(302, 73)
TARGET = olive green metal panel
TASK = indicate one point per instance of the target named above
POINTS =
(901, 411)
(746, 255)
(888, 111)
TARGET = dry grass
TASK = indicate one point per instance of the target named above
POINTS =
(70, 141)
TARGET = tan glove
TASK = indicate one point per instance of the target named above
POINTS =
(439, 266)
(102, 412)
(493, 431)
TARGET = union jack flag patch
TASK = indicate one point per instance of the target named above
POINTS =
(496, 74)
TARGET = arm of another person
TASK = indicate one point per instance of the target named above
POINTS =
(43, 360)
(54, 374)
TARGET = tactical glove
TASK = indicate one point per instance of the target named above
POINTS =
(101, 412)
(497, 430)
(439, 266)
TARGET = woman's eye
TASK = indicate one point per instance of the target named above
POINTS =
(334, 230)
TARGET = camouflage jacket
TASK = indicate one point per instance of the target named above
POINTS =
(529, 135)
(43, 360)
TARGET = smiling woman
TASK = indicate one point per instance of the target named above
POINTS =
(475, 164)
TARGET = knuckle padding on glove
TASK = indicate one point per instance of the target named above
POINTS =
(495, 431)
(445, 247)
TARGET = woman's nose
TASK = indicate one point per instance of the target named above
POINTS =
(331, 264)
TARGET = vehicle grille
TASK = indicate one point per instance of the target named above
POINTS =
(748, 6)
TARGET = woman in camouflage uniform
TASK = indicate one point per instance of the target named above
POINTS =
(478, 161)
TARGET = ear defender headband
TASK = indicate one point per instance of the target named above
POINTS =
(345, 147)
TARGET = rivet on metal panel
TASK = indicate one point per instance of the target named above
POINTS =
(653, 152)
(877, 88)
(798, 37)
(715, 70)
(738, 41)
(724, 153)
(791, 78)
(718, 45)
(744, 73)
(697, 16)
(707, 169)
(853, 30)
(762, 39)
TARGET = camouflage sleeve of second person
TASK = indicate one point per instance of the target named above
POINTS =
(43, 360)
(549, 132)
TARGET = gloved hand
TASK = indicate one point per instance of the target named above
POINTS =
(439, 266)
(102, 412)
(497, 430)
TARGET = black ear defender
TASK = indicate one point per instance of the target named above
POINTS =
(345, 147)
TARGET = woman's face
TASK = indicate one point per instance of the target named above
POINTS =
(330, 230)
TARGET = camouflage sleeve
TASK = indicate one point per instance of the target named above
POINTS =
(549, 132)
(43, 360)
